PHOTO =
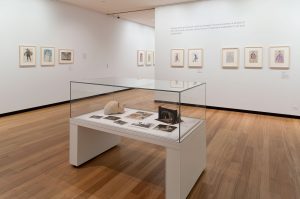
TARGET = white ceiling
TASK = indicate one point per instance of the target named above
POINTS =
(120, 6)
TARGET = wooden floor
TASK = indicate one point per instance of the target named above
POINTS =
(248, 156)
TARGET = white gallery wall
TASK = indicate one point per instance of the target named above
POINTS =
(103, 46)
(216, 24)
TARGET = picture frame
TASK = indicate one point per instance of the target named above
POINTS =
(168, 116)
(27, 55)
(253, 57)
(47, 56)
(176, 84)
(279, 57)
(149, 58)
(195, 58)
(140, 57)
(177, 58)
(66, 56)
(230, 57)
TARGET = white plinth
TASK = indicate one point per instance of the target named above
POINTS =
(185, 161)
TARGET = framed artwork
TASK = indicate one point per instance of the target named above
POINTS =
(176, 84)
(230, 57)
(280, 57)
(177, 57)
(195, 58)
(66, 56)
(140, 58)
(27, 55)
(253, 57)
(47, 56)
(149, 60)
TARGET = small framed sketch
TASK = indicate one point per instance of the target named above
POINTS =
(176, 84)
(47, 56)
(230, 57)
(177, 57)
(27, 55)
(195, 58)
(66, 56)
(253, 57)
(149, 60)
(140, 58)
(280, 57)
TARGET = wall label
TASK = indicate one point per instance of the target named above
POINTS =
(203, 27)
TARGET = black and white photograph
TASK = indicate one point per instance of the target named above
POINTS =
(96, 116)
(166, 128)
(120, 122)
(113, 118)
(139, 115)
(143, 125)
(66, 56)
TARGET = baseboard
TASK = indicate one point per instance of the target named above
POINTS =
(55, 104)
(235, 110)
(157, 101)
(33, 108)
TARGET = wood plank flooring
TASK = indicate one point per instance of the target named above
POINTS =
(248, 156)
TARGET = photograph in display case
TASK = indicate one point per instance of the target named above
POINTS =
(195, 58)
(47, 56)
(149, 60)
(280, 57)
(166, 128)
(177, 57)
(139, 115)
(27, 55)
(143, 125)
(66, 56)
(168, 116)
(120, 122)
(140, 58)
(230, 57)
(113, 118)
(253, 57)
(96, 117)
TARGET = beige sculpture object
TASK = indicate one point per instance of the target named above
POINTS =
(113, 107)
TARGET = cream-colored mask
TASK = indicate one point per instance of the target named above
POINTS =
(113, 107)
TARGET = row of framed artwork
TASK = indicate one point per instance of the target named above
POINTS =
(28, 54)
(279, 57)
(145, 57)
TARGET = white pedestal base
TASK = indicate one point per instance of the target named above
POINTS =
(185, 161)
(86, 143)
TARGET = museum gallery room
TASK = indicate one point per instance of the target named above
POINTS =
(150, 99)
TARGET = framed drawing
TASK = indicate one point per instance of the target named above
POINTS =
(177, 57)
(176, 84)
(140, 58)
(66, 56)
(253, 57)
(149, 60)
(280, 57)
(47, 56)
(195, 58)
(230, 57)
(27, 55)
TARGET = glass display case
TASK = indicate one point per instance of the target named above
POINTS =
(155, 109)
(166, 113)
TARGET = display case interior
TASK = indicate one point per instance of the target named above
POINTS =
(158, 109)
